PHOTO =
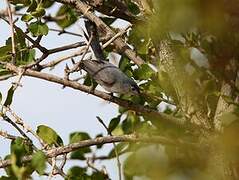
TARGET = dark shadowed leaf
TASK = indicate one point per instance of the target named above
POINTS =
(27, 17)
(77, 137)
(10, 93)
(77, 173)
(66, 16)
(113, 124)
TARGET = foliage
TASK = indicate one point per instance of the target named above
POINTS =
(190, 50)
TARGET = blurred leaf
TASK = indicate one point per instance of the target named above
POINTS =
(99, 145)
(38, 28)
(32, 6)
(108, 20)
(133, 8)
(67, 16)
(144, 72)
(0, 97)
(39, 162)
(99, 176)
(19, 148)
(49, 136)
(39, 12)
(77, 173)
(77, 137)
(27, 17)
(120, 147)
(113, 124)
(5, 53)
(10, 93)
(47, 3)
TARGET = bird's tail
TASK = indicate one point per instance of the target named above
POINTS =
(95, 43)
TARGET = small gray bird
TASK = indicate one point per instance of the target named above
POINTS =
(110, 77)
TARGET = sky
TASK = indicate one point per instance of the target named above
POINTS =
(65, 110)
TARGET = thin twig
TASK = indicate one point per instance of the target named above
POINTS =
(120, 33)
(12, 32)
(115, 149)
(63, 31)
(7, 135)
(76, 66)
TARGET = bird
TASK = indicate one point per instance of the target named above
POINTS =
(109, 76)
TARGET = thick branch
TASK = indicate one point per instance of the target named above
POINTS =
(119, 43)
(105, 140)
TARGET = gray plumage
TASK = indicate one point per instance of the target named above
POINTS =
(110, 77)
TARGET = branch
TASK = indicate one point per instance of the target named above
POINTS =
(119, 42)
(106, 140)
(127, 104)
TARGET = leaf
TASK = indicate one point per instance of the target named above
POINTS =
(19, 148)
(144, 72)
(133, 8)
(113, 124)
(39, 162)
(76, 173)
(38, 28)
(39, 12)
(0, 97)
(8, 100)
(5, 52)
(67, 16)
(99, 145)
(27, 17)
(49, 136)
(77, 137)
(121, 147)
(20, 36)
(32, 6)
(47, 3)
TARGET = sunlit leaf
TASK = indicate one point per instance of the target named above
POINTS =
(38, 28)
(49, 136)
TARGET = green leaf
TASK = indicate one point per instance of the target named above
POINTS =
(38, 28)
(27, 17)
(8, 100)
(144, 72)
(113, 124)
(67, 16)
(0, 97)
(76, 173)
(39, 12)
(120, 147)
(32, 6)
(77, 137)
(20, 36)
(5, 53)
(49, 136)
(99, 145)
(47, 3)
(133, 8)
(38, 162)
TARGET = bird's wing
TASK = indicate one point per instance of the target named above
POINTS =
(100, 71)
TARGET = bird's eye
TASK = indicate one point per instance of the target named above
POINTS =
(133, 88)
